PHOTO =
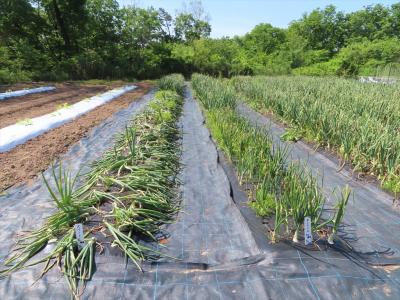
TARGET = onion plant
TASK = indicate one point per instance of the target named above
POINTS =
(78, 266)
(132, 249)
(63, 195)
(358, 121)
(280, 189)
(173, 82)
(205, 88)
(340, 206)
(131, 192)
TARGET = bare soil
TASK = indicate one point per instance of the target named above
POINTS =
(15, 109)
(24, 162)
(21, 86)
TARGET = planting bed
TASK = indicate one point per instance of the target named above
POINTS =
(16, 109)
(358, 122)
(25, 161)
(19, 133)
(371, 215)
(20, 93)
(215, 247)
(20, 86)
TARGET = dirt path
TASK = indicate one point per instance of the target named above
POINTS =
(15, 109)
(25, 161)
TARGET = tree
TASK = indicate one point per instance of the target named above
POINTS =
(264, 38)
(188, 28)
(18, 19)
(141, 27)
(322, 29)
(69, 18)
(196, 9)
(371, 23)
(395, 19)
(166, 21)
(82, 39)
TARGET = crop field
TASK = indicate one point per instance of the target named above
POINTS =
(285, 191)
(24, 161)
(359, 122)
(209, 188)
(199, 149)
(35, 105)
(133, 183)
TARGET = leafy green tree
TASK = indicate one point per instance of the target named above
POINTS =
(264, 38)
(18, 19)
(104, 24)
(81, 39)
(188, 28)
(372, 22)
(322, 29)
(69, 17)
(166, 22)
(395, 19)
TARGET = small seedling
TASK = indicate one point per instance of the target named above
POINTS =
(63, 106)
(60, 107)
(25, 122)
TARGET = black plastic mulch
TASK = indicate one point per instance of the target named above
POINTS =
(219, 244)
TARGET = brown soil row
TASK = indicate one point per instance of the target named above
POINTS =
(35, 105)
(24, 162)
(21, 86)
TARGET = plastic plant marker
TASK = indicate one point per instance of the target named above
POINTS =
(308, 238)
(79, 235)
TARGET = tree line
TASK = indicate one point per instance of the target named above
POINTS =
(84, 39)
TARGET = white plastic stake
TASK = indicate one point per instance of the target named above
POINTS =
(79, 235)
(308, 239)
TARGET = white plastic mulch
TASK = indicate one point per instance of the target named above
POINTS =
(19, 133)
(26, 92)
(383, 80)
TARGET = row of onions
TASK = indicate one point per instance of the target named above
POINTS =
(282, 191)
(358, 121)
(126, 196)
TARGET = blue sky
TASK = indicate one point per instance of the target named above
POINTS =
(236, 17)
